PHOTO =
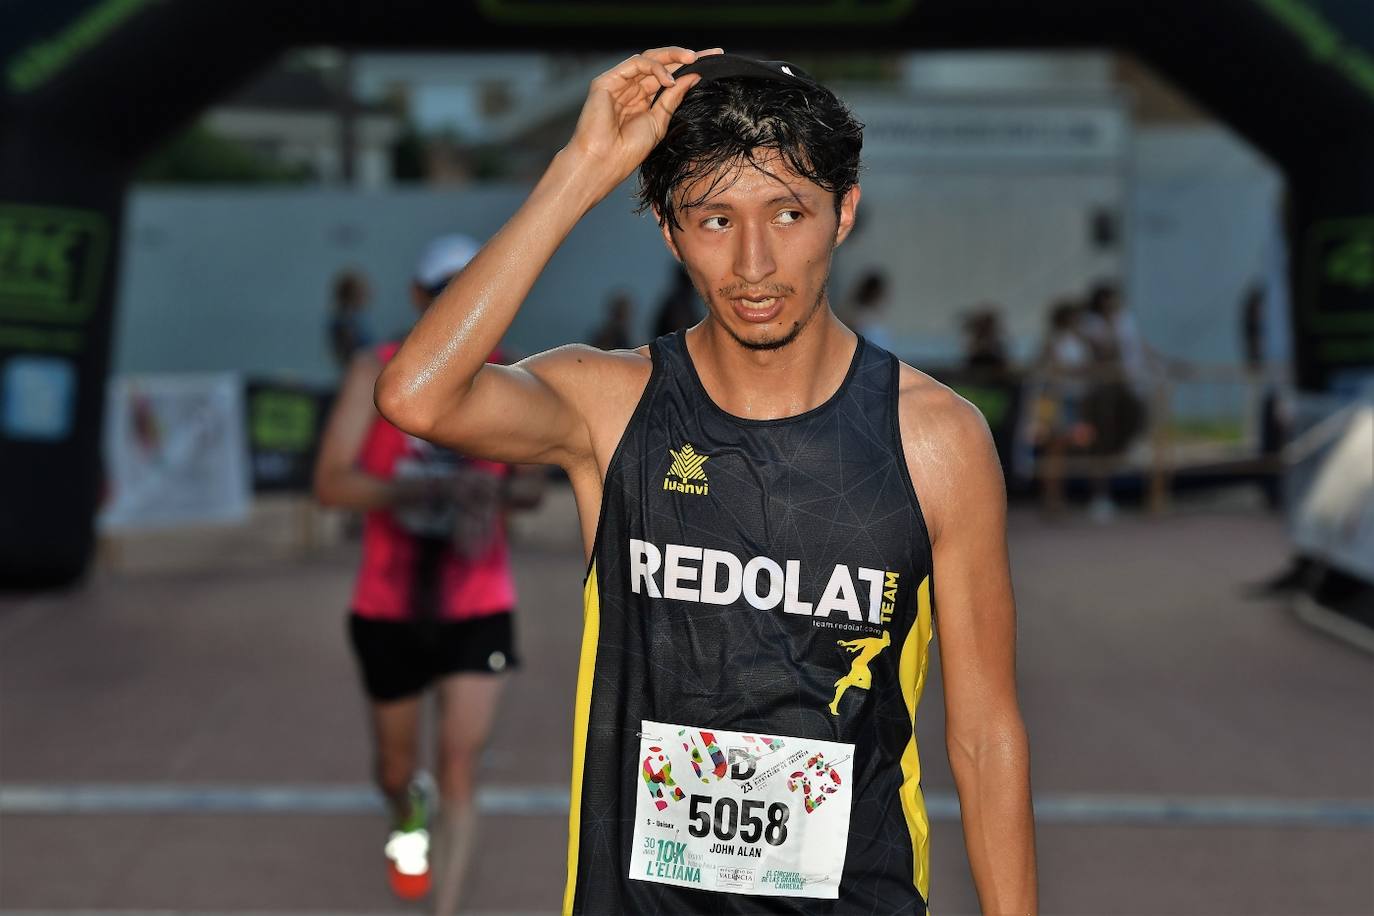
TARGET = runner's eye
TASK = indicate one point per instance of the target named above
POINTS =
(715, 222)
(787, 217)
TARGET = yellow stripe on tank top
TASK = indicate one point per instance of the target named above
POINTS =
(586, 671)
(911, 668)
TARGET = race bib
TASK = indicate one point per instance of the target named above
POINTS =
(436, 517)
(741, 813)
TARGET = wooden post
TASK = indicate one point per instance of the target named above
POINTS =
(1161, 441)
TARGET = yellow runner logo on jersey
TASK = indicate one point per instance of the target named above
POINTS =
(686, 474)
(864, 651)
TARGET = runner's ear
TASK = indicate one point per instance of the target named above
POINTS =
(849, 207)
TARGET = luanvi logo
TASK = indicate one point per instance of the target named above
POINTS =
(687, 474)
(51, 263)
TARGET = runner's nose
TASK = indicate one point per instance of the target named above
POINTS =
(754, 255)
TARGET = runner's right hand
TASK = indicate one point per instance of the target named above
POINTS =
(620, 122)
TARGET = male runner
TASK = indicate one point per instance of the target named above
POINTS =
(748, 496)
(433, 601)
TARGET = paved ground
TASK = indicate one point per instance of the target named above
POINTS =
(1193, 753)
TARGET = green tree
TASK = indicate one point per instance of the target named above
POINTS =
(200, 156)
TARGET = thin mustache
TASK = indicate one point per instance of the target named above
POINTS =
(739, 292)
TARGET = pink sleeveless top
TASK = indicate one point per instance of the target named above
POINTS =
(405, 575)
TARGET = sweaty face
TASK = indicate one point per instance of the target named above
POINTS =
(758, 249)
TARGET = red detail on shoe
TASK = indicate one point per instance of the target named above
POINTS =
(407, 887)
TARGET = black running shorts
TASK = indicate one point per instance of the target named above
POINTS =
(400, 658)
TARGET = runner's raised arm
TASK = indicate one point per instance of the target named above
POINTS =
(437, 386)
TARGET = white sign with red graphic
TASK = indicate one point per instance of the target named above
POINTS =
(741, 813)
(176, 452)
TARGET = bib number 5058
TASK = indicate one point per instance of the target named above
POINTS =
(733, 818)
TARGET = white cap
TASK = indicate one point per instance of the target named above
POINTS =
(444, 257)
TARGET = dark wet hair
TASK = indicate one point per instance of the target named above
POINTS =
(725, 123)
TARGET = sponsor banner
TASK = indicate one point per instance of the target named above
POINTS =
(741, 813)
(52, 260)
(1335, 308)
(284, 424)
(175, 451)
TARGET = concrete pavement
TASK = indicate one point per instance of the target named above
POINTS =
(218, 658)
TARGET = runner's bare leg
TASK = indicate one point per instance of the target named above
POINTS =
(467, 707)
(395, 744)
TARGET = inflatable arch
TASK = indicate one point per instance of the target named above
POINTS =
(89, 87)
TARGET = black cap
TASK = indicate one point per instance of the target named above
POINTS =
(719, 66)
(722, 66)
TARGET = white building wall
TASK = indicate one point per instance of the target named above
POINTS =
(1206, 213)
(1003, 71)
(239, 279)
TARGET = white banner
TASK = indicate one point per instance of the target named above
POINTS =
(175, 451)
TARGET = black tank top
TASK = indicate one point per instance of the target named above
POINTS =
(751, 575)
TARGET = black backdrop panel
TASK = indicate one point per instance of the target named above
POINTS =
(284, 423)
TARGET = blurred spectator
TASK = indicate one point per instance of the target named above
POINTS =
(1114, 402)
(678, 308)
(1252, 328)
(614, 332)
(349, 330)
(1116, 398)
(867, 308)
(1066, 354)
(1112, 330)
(985, 344)
(1064, 361)
(1273, 423)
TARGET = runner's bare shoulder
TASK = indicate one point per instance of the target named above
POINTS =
(588, 377)
(602, 386)
(947, 444)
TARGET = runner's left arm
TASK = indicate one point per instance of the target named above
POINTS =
(339, 482)
(959, 480)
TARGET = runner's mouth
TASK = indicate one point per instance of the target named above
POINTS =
(759, 311)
